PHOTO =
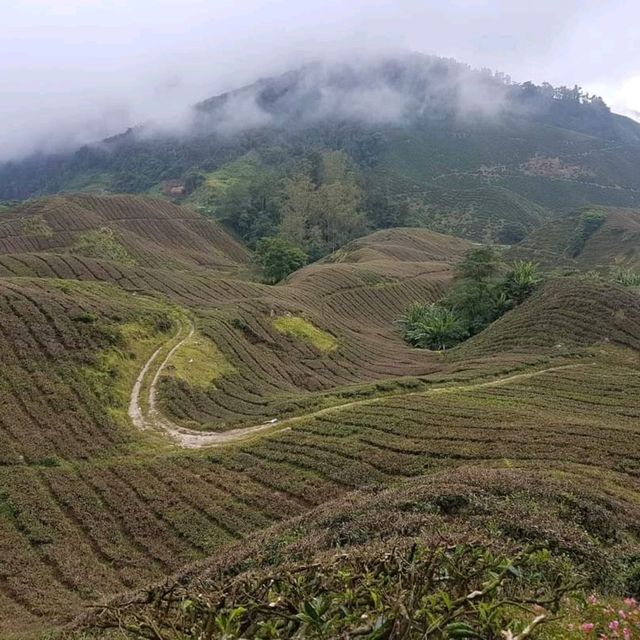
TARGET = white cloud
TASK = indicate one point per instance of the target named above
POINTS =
(72, 71)
(624, 97)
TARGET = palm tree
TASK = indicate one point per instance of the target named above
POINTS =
(434, 327)
(521, 280)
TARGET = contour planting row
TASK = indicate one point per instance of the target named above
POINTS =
(155, 232)
(135, 521)
(48, 406)
(70, 537)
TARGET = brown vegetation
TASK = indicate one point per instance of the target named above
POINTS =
(89, 507)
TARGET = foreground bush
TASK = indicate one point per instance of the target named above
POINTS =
(445, 593)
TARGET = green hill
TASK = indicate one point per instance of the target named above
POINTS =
(591, 238)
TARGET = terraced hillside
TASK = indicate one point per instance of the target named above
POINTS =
(127, 229)
(91, 505)
(613, 236)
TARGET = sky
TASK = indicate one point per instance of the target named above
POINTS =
(75, 71)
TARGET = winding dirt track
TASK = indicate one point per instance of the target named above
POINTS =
(150, 417)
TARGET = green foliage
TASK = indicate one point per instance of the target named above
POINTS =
(458, 592)
(102, 244)
(199, 362)
(478, 297)
(303, 330)
(477, 302)
(322, 206)
(625, 276)
(245, 195)
(520, 281)
(432, 326)
(278, 258)
(35, 226)
(192, 180)
(479, 264)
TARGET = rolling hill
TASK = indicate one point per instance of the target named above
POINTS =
(159, 408)
(125, 229)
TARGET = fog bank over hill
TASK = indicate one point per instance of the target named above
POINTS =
(75, 72)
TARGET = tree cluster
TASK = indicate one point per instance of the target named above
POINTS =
(485, 288)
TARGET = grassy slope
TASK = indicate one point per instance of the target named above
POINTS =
(113, 509)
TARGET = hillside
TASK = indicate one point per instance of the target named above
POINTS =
(127, 229)
(373, 543)
(159, 408)
(562, 316)
(446, 147)
(613, 237)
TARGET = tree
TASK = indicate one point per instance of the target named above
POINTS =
(342, 215)
(297, 209)
(480, 264)
(432, 326)
(476, 296)
(192, 180)
(520, 281)
(323, 204)
(278, 258)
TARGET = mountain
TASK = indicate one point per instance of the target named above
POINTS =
(433, 142)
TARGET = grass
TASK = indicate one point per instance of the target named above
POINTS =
(35, 226)
(115, 370)
(301, 329)
(102, 243)
(199, 362)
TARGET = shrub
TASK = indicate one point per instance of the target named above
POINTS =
(625, 276)
(432, 326)
(521, 280)
(477, 303)
(461, 591)
(36, 226)
(278, 258)
(163, 323)
(479, 296)
(605, 620)
(102, 244)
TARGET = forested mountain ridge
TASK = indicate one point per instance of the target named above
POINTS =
(416, 140)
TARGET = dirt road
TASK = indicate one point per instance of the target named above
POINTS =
(147, 415)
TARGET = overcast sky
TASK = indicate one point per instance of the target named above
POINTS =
(72, 71)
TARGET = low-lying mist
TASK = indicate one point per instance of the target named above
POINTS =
(77, 71)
